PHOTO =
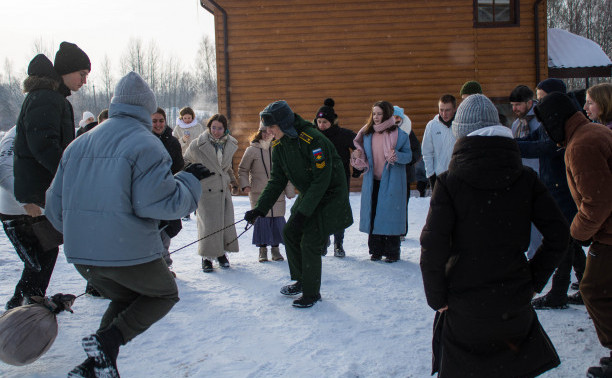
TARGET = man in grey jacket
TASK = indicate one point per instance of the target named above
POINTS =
(112, 187)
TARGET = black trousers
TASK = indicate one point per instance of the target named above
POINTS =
(33, 283)
(561, 279)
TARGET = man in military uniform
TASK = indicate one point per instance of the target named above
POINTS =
(302, 155)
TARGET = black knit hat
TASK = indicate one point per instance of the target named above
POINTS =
(70, 58)
(327, 111)
(470, 88)
(41, 66)
(521, 93)
(551, 85)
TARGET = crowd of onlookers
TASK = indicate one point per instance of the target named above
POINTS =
(511, 206)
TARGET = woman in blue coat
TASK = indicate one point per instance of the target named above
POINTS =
(383, 150)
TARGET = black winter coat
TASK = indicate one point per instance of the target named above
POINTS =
(473, 260)
(342, 139)
(83, 129)
(174, 149)
(45, 127)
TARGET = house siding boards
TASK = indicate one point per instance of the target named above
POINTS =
(358, 52)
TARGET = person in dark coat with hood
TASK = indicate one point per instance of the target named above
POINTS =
(45, 127)
(473, 261)
(326, 121)
(303, 156)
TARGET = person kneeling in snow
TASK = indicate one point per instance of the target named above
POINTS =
(475, 271)
(112, 188)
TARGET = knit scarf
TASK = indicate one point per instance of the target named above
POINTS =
(184, 125)
(389, 143)
(219, 145)
(522, 129)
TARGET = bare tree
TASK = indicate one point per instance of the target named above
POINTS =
(206, 68)
(134, 57)
(107, 78)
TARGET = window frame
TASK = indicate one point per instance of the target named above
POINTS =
(514, 17)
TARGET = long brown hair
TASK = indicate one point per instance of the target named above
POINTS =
(387, 109)
(601, 94)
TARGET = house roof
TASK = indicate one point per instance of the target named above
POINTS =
(568, 50)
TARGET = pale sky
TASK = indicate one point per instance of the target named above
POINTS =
(101, 27)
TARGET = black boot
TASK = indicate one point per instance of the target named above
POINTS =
(223, 261)
(293, 289)
(575, 299)
(550, 301)
(84, 370)
(103, 348)
(306, 301)
(207, 266)
(339, 250)
(15, 301)
(599, 372)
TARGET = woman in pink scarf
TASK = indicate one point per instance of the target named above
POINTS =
(383, 150)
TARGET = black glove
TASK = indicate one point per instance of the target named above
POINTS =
(252, 215)
(356, 173)
(198, 170)
(297, 220)
(584, 243)
(432, 181)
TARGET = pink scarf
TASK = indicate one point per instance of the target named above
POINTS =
(358, 157)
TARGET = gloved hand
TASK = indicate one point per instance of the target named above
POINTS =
(198, 170)
(356, 173)
(297, 220)
(252, 215)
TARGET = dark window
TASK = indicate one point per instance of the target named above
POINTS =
(495, 13)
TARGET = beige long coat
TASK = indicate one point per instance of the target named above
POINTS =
(254, 171)
(215, 209)
(194, 133)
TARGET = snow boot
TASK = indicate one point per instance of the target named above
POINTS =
(223, 262)
(103, 348)
(293, 289)
(263, 254)
(15, 301)
(599, 372)
(339, 250)
(550, 302)
(575, 299)
(276, 255)
(375, 257)
(207, 266)
(84, 370)
(306, 301)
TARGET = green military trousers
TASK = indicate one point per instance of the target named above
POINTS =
(304, 247)
(140, 294)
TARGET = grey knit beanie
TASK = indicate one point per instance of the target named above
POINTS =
(475, 112)
(279, 113)
(133, 90)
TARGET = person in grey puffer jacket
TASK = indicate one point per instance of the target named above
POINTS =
(114, 240)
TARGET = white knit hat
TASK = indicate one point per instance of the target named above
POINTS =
(475, 112)
(86, 116)
(133, 90)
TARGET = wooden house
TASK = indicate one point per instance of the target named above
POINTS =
(359, 51)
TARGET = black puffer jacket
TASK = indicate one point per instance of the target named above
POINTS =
(342, 139)
(45, 127)
(174, 149)
(473, 260)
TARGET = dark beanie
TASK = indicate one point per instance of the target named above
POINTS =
(521, 93)
(552, 85)
(327, 111)
(470, 88)
(279, 113)
(70, 58)
(41, 66)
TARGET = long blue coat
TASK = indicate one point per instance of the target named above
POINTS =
(112, 187)
(391, 214)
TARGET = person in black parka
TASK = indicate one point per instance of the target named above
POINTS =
(474, 268)
(326, 121)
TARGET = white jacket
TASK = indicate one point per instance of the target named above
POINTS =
(8, 203)
(437, 147)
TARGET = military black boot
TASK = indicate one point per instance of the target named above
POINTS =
(306, 301)
(293, 289)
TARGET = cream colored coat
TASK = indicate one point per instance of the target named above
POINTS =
(254, 171)
(194, 133)
(215, 209)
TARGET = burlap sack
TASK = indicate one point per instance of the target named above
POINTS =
(27, 332)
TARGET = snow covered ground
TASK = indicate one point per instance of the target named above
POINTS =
(373, 320)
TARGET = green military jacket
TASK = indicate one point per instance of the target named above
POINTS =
(312, 164)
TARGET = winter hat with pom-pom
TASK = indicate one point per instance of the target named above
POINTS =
(327, 111)
(133, 90)
(474, 113)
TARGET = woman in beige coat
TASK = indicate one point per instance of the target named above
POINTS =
(214, 149)
(253, 174)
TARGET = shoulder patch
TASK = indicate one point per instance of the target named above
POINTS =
(318, 155)
(275, 143)
(305, 137)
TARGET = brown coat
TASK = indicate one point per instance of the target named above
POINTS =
(215, 209)
(254, 171)
(588, 162)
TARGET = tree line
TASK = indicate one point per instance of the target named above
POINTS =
(174, 82)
